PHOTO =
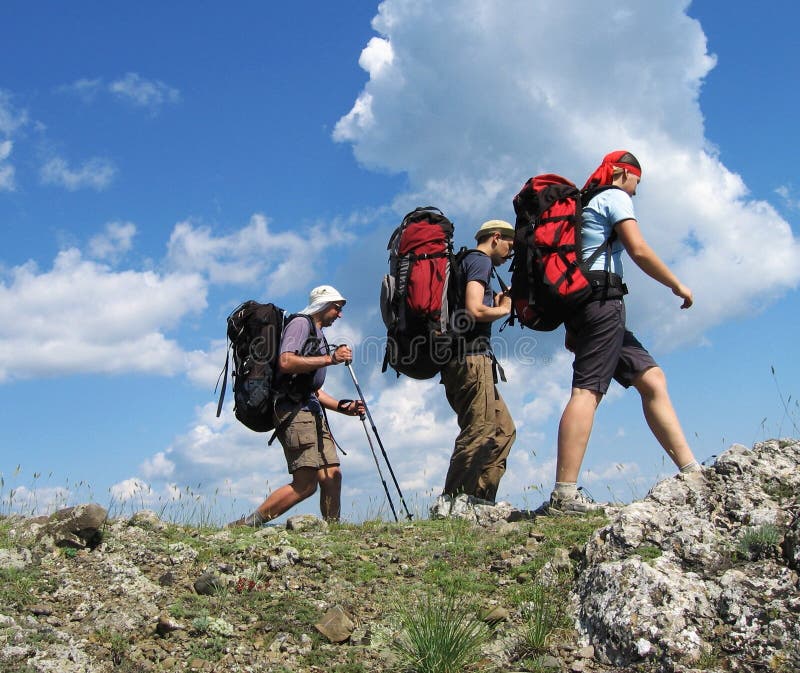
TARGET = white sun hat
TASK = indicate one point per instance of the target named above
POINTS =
(320, 297)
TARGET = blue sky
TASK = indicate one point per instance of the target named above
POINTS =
(161, 163)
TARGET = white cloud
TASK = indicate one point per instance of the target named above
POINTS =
(255, 252)
(502, 117)
(145, 93)
(788, 197)
(95, 174)
(80, 316)
(132, 88)
(130, 489)
(85, 88)
(377, 56)
(158, 467)
(11, 120)
(116, 240)
(6, 170)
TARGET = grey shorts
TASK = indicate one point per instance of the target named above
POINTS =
(306, 441)
(604, 349)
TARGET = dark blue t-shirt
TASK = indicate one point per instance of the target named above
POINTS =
(477, 266)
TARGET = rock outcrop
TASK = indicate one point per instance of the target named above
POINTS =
(703, 569)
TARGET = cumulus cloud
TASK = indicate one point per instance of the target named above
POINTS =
(130, 489)
(94, 173)
(116, 240)
(158, 467)
(502, 117)
(145, 93)
(79, 316)
(254, 252)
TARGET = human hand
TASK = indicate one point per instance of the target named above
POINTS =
(685, 293)
(341, 354)
(503, 300)
(351, 407)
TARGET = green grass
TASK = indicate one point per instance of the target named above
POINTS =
(758, 542)
(18, 587)
(648, 552)
(543, 617)
(439, 635)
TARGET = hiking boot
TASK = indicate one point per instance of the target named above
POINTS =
(579, 503)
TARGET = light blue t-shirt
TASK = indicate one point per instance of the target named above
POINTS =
(605, 210)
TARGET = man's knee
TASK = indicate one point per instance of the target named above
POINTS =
(329, 476)
(304, 482)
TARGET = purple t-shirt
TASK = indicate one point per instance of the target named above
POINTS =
(295, 336)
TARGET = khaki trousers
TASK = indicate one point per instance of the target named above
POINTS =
(487, 429)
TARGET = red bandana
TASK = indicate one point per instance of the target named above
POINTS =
(603, 174)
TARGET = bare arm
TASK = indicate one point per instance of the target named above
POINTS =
(292, 363)
(648, 261)
(352, 408)
(478, 310)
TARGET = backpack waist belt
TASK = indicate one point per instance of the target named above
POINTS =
(606, 285)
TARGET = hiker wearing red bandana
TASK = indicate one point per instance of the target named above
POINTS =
(596, 333)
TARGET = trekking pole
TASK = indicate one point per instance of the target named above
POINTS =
(349, 366)
(377, 464)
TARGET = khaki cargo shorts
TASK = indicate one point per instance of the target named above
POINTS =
(306, 441)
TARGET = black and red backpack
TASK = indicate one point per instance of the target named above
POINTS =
(549, 277)
(417, 294)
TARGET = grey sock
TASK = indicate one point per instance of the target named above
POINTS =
(255, 519)
(565, 489)
(694, 466)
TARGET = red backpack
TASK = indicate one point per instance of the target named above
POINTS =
(415, 302)
(548, 274)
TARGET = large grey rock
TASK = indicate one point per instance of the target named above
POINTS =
(15, 559)
(305, 522)
(77, 527)
(664, 581)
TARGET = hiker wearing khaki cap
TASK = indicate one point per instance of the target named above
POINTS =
(301, 425)
(487, 431)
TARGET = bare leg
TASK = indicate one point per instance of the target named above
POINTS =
(330, 496)
(573, 433)
(661, 417)
(304, 483)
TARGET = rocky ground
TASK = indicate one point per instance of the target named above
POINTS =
(702, 574)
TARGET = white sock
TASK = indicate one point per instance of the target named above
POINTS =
(694, 466)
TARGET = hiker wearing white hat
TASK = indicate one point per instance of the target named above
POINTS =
(301, 425)
(487, 431)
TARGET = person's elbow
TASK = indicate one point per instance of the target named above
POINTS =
(639, 252)
(288, 363)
